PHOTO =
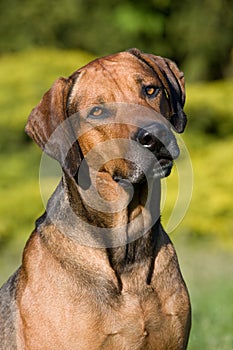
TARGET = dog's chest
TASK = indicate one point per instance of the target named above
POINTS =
(140, 322)
(137, 321)
(133, 322)
(93, 315)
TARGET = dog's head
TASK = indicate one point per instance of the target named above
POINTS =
(121, 109)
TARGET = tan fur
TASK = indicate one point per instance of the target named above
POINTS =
(72, 296)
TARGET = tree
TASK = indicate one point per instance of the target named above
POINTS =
(196, 34)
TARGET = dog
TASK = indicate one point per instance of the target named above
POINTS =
(99, 272)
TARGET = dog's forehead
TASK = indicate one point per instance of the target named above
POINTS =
(111, 76)
(120, 63)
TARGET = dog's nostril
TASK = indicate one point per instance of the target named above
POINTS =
(146, 139)
(154, 136)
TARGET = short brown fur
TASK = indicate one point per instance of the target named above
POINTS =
(73, 296)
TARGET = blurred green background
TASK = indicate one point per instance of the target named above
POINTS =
(41, 40)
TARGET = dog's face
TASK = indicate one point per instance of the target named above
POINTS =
(118, 112)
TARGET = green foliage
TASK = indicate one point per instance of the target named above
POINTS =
(210, 108)
(210, 212)
(196, 34)
(24, 79)
(208, 137)
(201, 32)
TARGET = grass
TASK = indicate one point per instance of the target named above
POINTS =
(207, 270)
(204, 238)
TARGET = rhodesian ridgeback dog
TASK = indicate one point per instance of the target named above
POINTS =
(99, 272)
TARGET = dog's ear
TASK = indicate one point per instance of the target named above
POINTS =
(173, 82)
(177, 83)
(49, 126)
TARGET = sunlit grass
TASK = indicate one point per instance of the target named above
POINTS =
(207, 270)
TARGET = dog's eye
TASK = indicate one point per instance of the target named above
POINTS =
(96, 112)
(151, 90)
(100, 112)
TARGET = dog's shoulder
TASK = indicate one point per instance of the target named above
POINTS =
(8, 311)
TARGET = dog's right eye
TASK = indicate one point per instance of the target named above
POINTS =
(97, 112)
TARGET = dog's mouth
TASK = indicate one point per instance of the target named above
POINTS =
(159, 169)
(149, 165)
(144, 158)
(162, 168)
(154, 154)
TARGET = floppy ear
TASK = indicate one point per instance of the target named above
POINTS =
(50, 128)
(173, 81)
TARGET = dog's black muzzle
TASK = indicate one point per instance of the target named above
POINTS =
(159, 139)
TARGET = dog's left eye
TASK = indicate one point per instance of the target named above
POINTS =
(151, 90)
(97, 112)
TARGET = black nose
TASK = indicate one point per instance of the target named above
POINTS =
(154, 136)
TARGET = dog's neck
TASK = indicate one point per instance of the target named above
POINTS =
(122, 222)
(111, 205)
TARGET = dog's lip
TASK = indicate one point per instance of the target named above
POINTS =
(122, 181)
(162, 168)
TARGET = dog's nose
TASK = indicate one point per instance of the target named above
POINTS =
(154, 136)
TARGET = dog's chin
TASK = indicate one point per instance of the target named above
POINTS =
(159, 170)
